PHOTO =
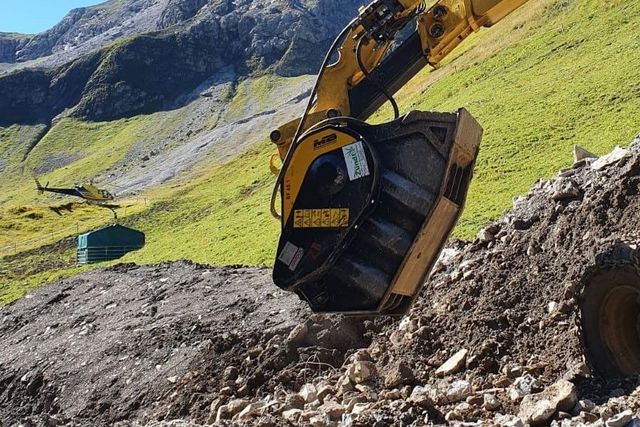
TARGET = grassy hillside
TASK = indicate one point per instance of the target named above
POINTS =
(552, 75)
(558, 79)
(222, 218)
(537, 82)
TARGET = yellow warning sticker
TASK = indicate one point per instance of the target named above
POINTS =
(306, 222)
(321, 218)
(326, 218)
(298, 219)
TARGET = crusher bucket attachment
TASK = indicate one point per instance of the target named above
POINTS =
(368, 208)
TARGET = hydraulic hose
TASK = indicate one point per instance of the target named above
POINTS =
(296, 137)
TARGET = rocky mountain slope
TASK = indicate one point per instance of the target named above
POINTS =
(495, 339)
(162, 49)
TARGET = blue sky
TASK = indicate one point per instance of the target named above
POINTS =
(34, 16)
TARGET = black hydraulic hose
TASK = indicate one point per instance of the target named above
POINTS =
(363, 68)
(295, 140)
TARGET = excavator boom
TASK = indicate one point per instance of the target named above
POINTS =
(366, 209)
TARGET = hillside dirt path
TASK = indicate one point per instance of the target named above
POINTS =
(109, 342)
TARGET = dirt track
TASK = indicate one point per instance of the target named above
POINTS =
(109, 345)
(224, 346)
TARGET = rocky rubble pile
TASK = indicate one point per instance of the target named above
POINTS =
(495, 339)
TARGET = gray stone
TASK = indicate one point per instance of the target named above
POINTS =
(309, 393)
(585, 405)
(399, 374)
(294, 401)
(580, 153)
(523, 386)
(458, 391)
(230, 373)
(454, 364)
(292, 415)
(614, 157)
(324, 391)
(540, 407)
(333, 409)
(422, 396)
(485, 236)
(298, 334)
(361, 371)
(490, 402)
(620, 420)
(228, 411)
(565, 189)
(251, 410)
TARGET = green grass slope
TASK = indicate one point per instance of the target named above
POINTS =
(538, 82)
(563, 80)
(222, 218)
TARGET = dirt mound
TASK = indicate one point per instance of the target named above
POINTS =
(494, 340)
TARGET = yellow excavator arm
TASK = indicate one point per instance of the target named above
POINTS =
(440, 29)
(366, 210)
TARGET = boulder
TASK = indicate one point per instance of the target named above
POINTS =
(539, 408)
(454, 364)
(309, 393)
(621, 419)
(361, 371)
(399, 374)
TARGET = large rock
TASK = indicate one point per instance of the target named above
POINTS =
(539, 408)
(399, 374)
(191, 42)
(422, 396)
(454, 364)
(621, 419)
(361, 371)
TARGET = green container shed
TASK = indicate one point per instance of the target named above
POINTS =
(108, 243)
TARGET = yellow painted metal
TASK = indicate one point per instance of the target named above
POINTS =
(430, 239)
(308, 150)
(463, 17)
(338, 78)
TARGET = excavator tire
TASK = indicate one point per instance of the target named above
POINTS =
(610, 313)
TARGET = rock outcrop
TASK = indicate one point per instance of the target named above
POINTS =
(171, 48)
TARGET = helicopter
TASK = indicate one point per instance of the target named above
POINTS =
(88, 192)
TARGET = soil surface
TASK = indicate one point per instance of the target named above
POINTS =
(184, 345)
